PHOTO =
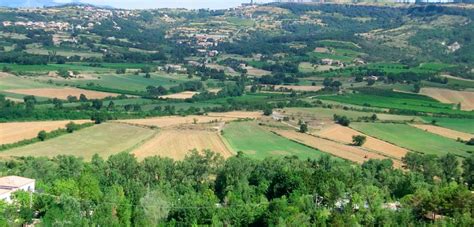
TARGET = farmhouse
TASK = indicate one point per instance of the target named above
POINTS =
(11, 184)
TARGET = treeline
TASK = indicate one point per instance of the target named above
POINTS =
(205, 189)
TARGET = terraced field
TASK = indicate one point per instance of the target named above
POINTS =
(448, 133)
(408, 102)
(351, 153)
(462, 125)
(413, 138)
(344, 134)
(259, 143)
(104, 139)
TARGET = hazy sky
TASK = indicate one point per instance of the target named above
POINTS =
(192, 4)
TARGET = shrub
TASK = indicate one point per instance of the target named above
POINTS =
(342, 120)
(267, 111)
(42, 135)
(470, 142)
(359, 140)
(304, 128)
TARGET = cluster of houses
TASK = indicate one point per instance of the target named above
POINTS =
(50, 25)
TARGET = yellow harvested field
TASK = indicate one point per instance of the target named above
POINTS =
(63, 93)
(176, 144)
(344, 135)
(181, 95)
(466, 98)
(299, 88)
(237, 114)
(347, 152)
(449, 133)
(172, 121)
(104, 139)
(18, 131)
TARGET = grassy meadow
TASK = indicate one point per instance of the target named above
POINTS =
(259, 143)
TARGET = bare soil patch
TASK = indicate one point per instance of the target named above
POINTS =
(63, 93)
(17, 131)
(344, 135)
(449, 133)
(347, 152)
(181, 95)
(466, 98)
(176, 144)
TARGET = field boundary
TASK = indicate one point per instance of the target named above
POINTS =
(140, 143)
(389, 141)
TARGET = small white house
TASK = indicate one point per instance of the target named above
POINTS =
(11, 184)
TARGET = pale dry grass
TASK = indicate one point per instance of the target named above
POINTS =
(17, 131)
(449, 133)
(172, 121)
(63, 93)
(181, 95)
(257, 72)
(176, 144)
(466, 98)
(299, 88)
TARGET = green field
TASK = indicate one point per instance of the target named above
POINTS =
(396, 100)
(16, 82)
(105, 139)
(259, 143)
(462, 125)
(413, 138)
(127, 82)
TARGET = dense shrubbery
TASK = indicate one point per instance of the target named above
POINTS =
(206, 190)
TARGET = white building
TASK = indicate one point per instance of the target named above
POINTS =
(11, 184)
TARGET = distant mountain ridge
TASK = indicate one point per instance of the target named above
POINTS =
(27, 3)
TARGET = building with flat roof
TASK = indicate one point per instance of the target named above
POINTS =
(11, 184)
